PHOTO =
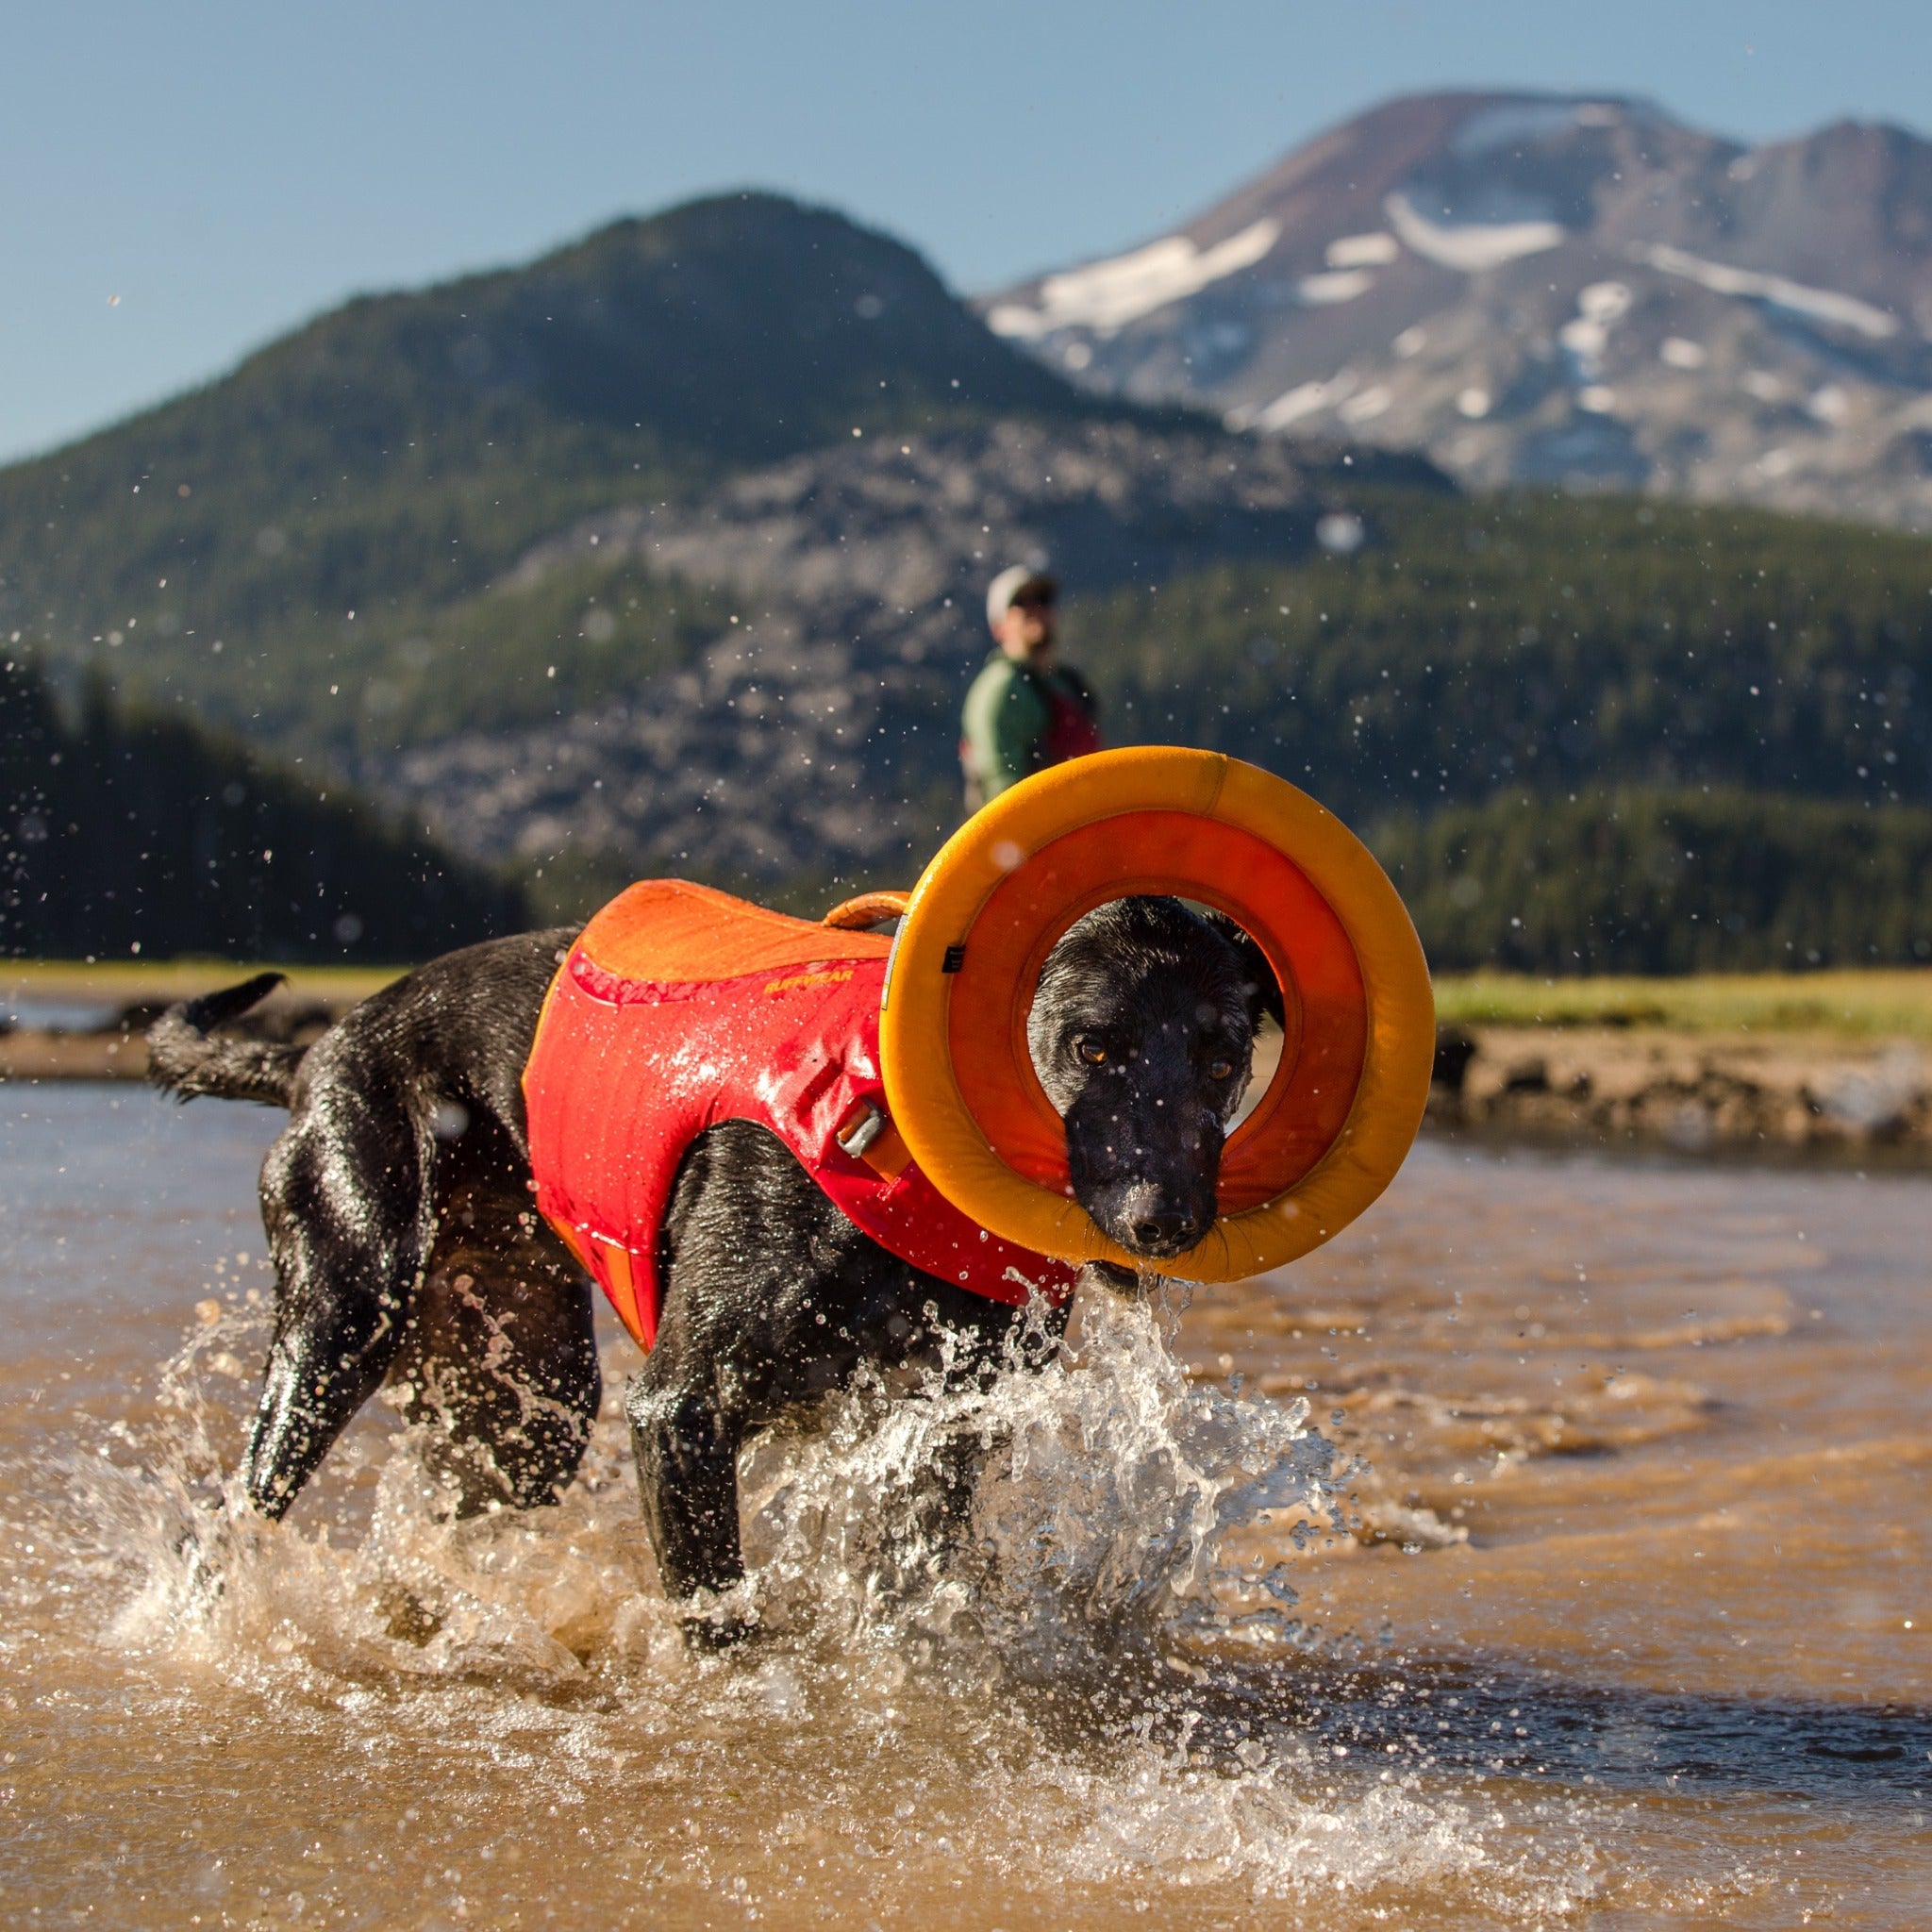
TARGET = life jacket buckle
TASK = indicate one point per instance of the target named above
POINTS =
(861, 1128)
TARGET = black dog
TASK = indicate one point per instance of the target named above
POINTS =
(407, 1247)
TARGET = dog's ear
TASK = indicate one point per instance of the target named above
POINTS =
(1258, 976)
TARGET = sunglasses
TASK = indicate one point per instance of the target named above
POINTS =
(1032, 600)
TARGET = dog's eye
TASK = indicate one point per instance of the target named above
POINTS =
(1220, 1070)
(1093, 1053)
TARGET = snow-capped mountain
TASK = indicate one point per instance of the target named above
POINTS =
(1536, 289)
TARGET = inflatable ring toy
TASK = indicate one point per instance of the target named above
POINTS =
(1338, 1116)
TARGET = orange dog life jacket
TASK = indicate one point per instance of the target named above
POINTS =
(679, 1007)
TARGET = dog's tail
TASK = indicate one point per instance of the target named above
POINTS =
(185, 1057)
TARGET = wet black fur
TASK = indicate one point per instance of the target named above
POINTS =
(399, 1217)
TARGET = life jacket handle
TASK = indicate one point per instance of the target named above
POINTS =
(869, 908)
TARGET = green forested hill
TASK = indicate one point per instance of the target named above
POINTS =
(1665, 881)
(1540, 643)
(1586, 734)
(131, 831)
(399, 451)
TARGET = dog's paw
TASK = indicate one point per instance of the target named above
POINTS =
(196, 1548)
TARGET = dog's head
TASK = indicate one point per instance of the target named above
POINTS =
(1141, 1033)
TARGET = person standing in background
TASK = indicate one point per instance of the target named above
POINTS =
(1025, 711)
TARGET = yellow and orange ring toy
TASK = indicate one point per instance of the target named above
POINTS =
(1343, 1106)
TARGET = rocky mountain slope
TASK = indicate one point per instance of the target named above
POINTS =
(813, 736)
(663, 551)
(1547, 289)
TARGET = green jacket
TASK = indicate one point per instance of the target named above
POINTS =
(1010, 718)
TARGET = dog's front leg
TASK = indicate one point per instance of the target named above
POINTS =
(942, 1526)
(687, 1455)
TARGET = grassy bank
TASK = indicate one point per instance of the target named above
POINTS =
(1860, 1004)
(132, 982)
(1857, 1004)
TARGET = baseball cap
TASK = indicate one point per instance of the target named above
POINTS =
(1007, 585)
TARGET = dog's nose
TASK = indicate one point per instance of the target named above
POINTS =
(1164, 1233)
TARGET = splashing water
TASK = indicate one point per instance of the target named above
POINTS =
(1103, 1486)
(1075, 1628)
(385, 1584)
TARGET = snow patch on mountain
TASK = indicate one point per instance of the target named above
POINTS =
(1526, 124)
(1599, 309)
(1104, 296)
(1821, 305)
(1470, 246)
(1362, 251)
(1304, 399)
(1340, 285)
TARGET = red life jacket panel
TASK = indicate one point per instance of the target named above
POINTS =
(679, 1007)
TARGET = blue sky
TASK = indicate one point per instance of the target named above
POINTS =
(227, 171)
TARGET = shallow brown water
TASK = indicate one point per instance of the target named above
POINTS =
(1626, 1625)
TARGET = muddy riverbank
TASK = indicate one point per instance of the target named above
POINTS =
(1660, 1071)
(1686, 1088)
(86, 1023)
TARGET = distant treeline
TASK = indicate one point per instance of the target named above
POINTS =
(1678, 881)
(1524, 642)
(139, 830)
(1587, 734)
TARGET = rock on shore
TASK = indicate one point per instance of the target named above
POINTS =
(1683, 1088)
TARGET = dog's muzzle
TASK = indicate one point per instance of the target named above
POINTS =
(1152, 1224)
